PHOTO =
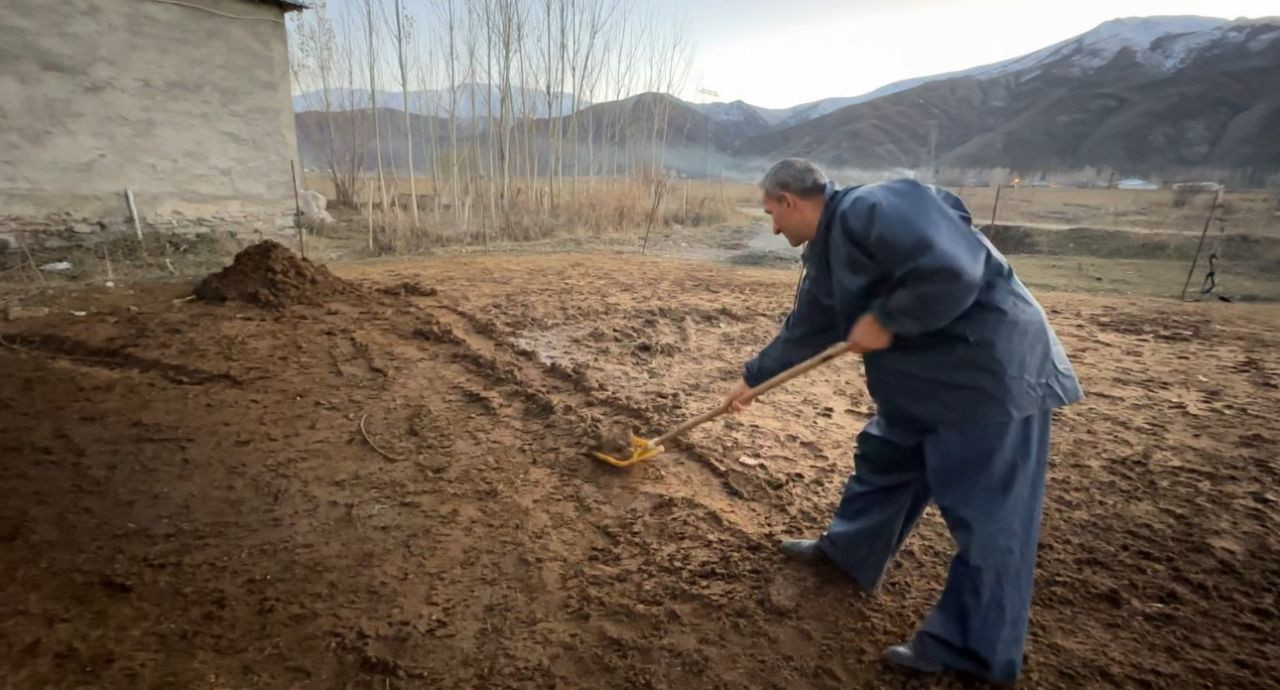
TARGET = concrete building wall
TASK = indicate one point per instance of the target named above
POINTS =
(189, 109)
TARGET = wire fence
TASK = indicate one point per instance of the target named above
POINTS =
(1219, 245)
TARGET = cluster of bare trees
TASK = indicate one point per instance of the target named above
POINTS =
(494, 104)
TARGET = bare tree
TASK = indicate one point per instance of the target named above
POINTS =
(473, 37)
(317, 64)
(402, 57)
(487, 19)
(509, 20)
(589, 20)
(371, 47)
(515, 79)
(430, 147)
(452, 62)
(556, 13)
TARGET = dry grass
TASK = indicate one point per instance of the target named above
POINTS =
(584, 207)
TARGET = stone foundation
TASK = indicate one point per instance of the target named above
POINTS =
(65, 229)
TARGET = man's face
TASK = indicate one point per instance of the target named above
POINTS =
(790, 219)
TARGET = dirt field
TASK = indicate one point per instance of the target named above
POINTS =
(1255, 212)
(190, 501)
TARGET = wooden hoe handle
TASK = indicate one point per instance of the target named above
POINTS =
(815, 361)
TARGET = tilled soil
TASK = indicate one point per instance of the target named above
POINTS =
(191, 503)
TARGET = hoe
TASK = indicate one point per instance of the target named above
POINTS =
(643, 449)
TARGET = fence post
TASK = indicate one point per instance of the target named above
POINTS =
(1217, 199)
(684, 215)
(991, 232)
(297, 212)
(369, 187)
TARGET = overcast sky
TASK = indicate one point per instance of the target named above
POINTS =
(776, 53)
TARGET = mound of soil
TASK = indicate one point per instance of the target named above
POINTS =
(270, 275)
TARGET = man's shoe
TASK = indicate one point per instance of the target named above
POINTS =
(904, 656)
(803, 550)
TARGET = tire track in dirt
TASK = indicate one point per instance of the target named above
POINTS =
(556, 390)
(87, 354)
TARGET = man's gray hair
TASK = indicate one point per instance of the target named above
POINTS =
(795, 176)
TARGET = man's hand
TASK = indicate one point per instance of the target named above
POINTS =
(869, 335)
(734, 398)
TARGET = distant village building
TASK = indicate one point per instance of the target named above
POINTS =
(184, 102)
(1135, 183)
(1197, 187)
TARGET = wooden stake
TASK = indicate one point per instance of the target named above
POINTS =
(32, 261)
(133, 213)
(297, 213)
(684, 215)
(653, 212)
(1217, 199)
(370, 188)
(106, 256)
(991, 232)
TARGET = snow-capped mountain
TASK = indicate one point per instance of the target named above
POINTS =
(737, 111)
(1164, 43)
(1088, 50)
(1150, 93)
(1161, 42)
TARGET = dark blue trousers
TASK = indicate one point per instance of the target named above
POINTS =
(988, 482)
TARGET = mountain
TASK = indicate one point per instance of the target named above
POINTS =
(1140, 94)
(472, 100)
(1094, 47)
(692, 139)
(739, 111)
(687, 124)
(354, 129)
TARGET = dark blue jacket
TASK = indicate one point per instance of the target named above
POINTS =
(970, 342)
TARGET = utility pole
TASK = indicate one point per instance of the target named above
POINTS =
(933, 151)
(706, 159)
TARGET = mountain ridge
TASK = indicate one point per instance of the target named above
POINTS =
(1137, 93)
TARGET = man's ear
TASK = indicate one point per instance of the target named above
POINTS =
(786, 200)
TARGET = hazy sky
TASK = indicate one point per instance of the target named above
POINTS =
(780, 53)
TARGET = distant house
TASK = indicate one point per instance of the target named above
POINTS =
(184, 102)
(1196, 187)
(1135, 183)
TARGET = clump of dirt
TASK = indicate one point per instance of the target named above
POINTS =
(409, 288)
(270, 275)
(613, 438)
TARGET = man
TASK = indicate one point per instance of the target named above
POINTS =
(965, 372)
